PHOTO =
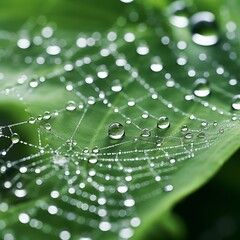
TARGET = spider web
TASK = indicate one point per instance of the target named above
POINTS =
(60, 171)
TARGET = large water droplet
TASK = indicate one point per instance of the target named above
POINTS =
(204, 29)
(178, 14)
(236, 102)
(15, 138)
(201, 88)
(23, 43)
(156, 64)
(53, 50)
(116, 131)
(163, 123)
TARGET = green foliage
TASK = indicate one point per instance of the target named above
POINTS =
(72, 68)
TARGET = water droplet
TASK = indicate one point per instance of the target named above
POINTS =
(163, 123)
(122, 189)
(95, 150)
(221, 130)
(156, 64)
(59, 160)
(184, 128)
(33, 84)
(15, 138)
(145, 115)
(145, 132)
(53, 50)
(23, 43)
(168, 188)
(47, 32)
(92, 159)
(102, 72)
(23, 218)
(204, 29)
(48, 126)
(71, 106)
(116, 87)
(204, 123)
(116, 131)
(128, 121)
(236, 102)
(46, 115)
(157, 178)
(201, 88)
(91, 100)
(189, 135)
(131, 103)
(143, 49)
(178, 14)
(105, 226)
(159, 142)
(201, 135)
(31, 120)
(129, 202)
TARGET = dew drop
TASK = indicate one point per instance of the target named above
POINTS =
(163, 123)
(201, 135)
(102, 72)
(142, 49)
(168, 188)
(53, 50)
(116, 87)
(48, 126)
(105, 226)
(178, 14)
(31, 120)
(116, 131)
(189, 135)
(122, 189)
(33, 84)
(201, 88)
(156, 64)
(131, 103)
(204, 29)
(236, 102)
(184, 128)
(92, 159)
(128, 121)
(95, 150)
(71, 106)
(91, 100)
(145, 132)
(15, 138)
(46, 115)
(23, 43)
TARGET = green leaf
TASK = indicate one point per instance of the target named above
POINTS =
(72, 69)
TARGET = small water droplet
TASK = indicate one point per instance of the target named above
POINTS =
(128, 121)
(33, 84)
(236, 102)
(221, 130)
(116, 131)
(102, 72)
(189, 135)
(95, 150)
(204, 29)
(215, 123)
(142, 49)
(24, 43)
(184, 128)
(145, 115)
(201, 135)
(71, 106)
(145, 132)
(53, 50)
(31, 120)
(46, 115)
(178, 14)
(156, 64)
(163, 123)
(159, 142)
(201, 88)
(122, 189)
(116, 87)
(48, 126)
(91, 100)
(131, 103)
(168, 188)
(92, 159)
(15, 138)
